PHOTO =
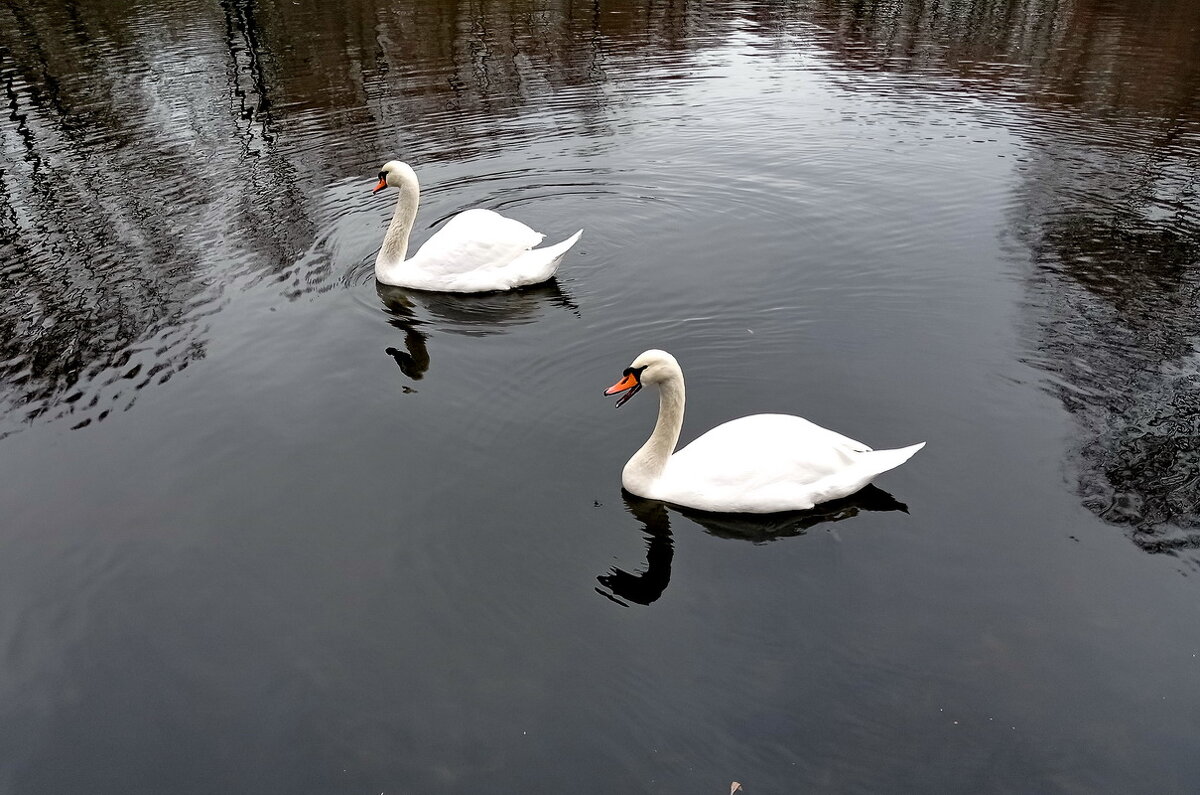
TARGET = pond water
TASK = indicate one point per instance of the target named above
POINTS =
(270, 527)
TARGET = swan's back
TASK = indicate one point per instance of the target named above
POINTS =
(771, 462)
(771, 446)
(474, 240)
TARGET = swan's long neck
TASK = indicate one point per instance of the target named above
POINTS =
(648, 463)
(395, 242)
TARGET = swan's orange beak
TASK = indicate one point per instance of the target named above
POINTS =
(629, 385)
(382, 184)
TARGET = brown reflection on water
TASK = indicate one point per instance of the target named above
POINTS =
(1100, 55)
(157, 151)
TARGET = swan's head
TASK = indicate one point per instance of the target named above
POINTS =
(395, 173)
(652, 367)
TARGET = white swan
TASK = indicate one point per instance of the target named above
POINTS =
(477, 251)
(763, 463)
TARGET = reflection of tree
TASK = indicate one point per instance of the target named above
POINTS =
(82, 281)
(1090, 54)
(151, 157)
(247, 55)
(649, 585)
(1107, 212)
(1114, 297)
(119, 203)
(1114, 236)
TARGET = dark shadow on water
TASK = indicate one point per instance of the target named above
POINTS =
(647, 586)
(417, 314)
(762, 528)
(624, 587)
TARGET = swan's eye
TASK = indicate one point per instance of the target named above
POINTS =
(636, 372)
(383, 175)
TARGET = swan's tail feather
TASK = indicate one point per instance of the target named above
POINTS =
(558, 249)
(539, 264)
(883, 460)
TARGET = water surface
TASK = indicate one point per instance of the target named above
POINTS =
(271, 527)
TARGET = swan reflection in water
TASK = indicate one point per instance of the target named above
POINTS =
(417, 313)
(623, 587)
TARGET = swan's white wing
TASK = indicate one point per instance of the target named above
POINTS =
(768, 445)
(769, 462)
(474, 240)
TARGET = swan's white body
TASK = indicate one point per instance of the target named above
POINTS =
(763, 463)
(477, 251)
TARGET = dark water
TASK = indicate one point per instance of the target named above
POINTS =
(270, 528)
